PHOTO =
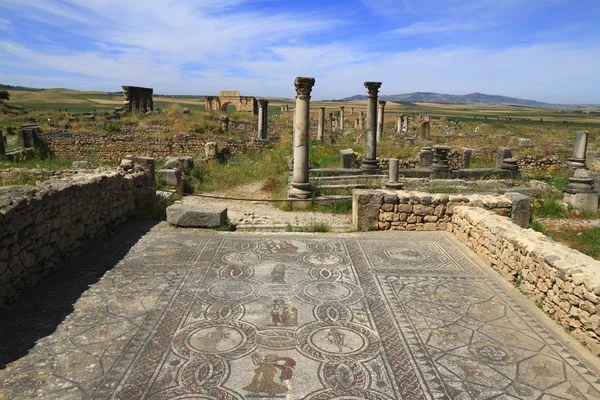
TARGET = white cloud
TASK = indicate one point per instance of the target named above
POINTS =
(5, 24)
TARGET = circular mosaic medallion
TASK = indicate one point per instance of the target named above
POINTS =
(323, 259)
(241, 258)
(217, 339)
(228, 290)
(324, 341)
(317, 292)
(227, 340)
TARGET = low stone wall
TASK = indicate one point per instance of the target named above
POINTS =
(420, 211)
(109, 147)
(43, 224)
(563, 282)
(532, 163)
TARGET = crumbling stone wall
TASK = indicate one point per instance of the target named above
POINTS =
(108, 147)
(563, 282)
(137, 99)
(41, 225)
(419, 211)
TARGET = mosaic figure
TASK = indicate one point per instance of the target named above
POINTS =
(278, 274)
(336, 338)
(283, 314)
(211, 340)
(265, 374)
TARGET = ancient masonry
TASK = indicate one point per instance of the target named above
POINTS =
(138, 98)
(49, 222)
(225, 98)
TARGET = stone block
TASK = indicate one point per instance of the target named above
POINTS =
(170, 176)
(527, 191)
(521, 142)
(196, 216)
(180, 163)
(82, 165)
(520, 213)
(347, 158)
(585, 201)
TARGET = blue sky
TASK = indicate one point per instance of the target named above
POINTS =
(546, 50)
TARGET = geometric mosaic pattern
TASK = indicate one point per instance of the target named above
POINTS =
(189, 314)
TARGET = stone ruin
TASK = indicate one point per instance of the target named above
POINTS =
(225, 98)
(138, 99)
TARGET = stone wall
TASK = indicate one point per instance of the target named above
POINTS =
(108, 147)
(563, 282)
(420, 211)
(43, 224)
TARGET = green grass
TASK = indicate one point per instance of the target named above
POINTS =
(21, 179)
(548, 206)
(586, 241)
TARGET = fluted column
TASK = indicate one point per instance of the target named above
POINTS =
(300, 183)
(370, 159)
(321, 124)
(380, 115)
(342, 119)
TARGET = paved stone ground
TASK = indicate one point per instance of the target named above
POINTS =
(163, 313)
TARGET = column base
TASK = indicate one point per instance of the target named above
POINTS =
(369, 165)
(394, 185)
(299, 191)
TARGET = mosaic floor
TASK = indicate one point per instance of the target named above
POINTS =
(187, 314)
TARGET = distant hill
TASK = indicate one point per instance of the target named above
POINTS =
(19, 88)
(472, 98)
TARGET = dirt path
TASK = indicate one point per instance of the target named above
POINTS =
(259, 215)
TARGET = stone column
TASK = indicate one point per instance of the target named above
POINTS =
(282, 108)
(262, 110)
(352, 110)
(502, 154)
(393, 175)
(580, 191)
(321, 125)
(577, 160)
(380, 116)
(2, 148)
(331, 124)
(468, 154)
(361, 121)
(399, 124)
(370, 159)
(425, 130)
(341, 118)
(405, 124)
(300, 183)
(225, 123)
(266, 118)
(425, 157)
(356, 123)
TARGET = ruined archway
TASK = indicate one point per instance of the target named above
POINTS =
(225, 98)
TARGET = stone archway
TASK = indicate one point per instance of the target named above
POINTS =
(225, 98)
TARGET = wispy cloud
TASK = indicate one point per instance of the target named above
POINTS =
(5, 24)
(423, 28)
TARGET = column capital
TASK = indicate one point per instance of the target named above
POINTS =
(262, 102)
(303, 85)
(382, 103)
(342, 108)
(372, 88)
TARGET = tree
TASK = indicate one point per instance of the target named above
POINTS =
(4, 95)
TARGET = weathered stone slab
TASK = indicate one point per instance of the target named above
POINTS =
(195, 216)
(180, 163)
(170, 176)
(522, 142)
(82, 165)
